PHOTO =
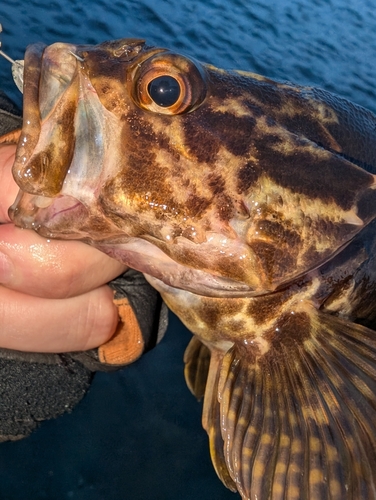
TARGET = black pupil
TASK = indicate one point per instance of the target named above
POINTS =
(164, 90)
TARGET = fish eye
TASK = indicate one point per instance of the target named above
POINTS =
(164, 90)
(167, 83)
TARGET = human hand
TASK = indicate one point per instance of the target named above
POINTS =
(52, 293)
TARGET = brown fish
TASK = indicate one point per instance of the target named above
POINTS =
(250, 205)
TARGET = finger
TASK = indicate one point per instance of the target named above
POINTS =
(51, 268)
(9, 188)
(50, 325)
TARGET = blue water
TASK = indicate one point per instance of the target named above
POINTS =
(137, 435)
(329, 43)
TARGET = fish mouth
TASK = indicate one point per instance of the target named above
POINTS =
(65, 127)
(38, 212)
(63, 156)
(42, 214)
(74, 221)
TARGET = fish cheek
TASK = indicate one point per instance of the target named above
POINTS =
(203, 151)
(220, 129)
(141, 183)
(140, 144)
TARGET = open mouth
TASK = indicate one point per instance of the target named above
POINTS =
(41, 214)
(66, 218)
(67, 145)
(44, 214)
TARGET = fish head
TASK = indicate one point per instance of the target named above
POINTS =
(223, 183)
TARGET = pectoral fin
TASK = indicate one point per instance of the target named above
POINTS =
(298, 420)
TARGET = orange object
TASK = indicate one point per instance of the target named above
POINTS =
(127, 343)
(11, 137)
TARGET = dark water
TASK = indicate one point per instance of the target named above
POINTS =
(137, 435)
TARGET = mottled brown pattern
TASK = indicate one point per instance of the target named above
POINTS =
(291, 330)
(210, 314)
(196, 205)
(263, 309)
(225, 207)
(224, 84)
(199, 142)
(303, 171)
(211, 311)
(215, 129)
(277, 231)
(248, 175)
(216, 183)
(274, 260)
(231, 268)
(304, 125)
(249, 205)
(143, 175)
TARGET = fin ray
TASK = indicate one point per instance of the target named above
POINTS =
(212, 423)
(298, 421)
(349, 453)
(197, 360)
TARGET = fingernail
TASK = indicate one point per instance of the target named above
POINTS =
(6, 269)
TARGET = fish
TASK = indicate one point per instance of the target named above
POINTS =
(250, 205)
